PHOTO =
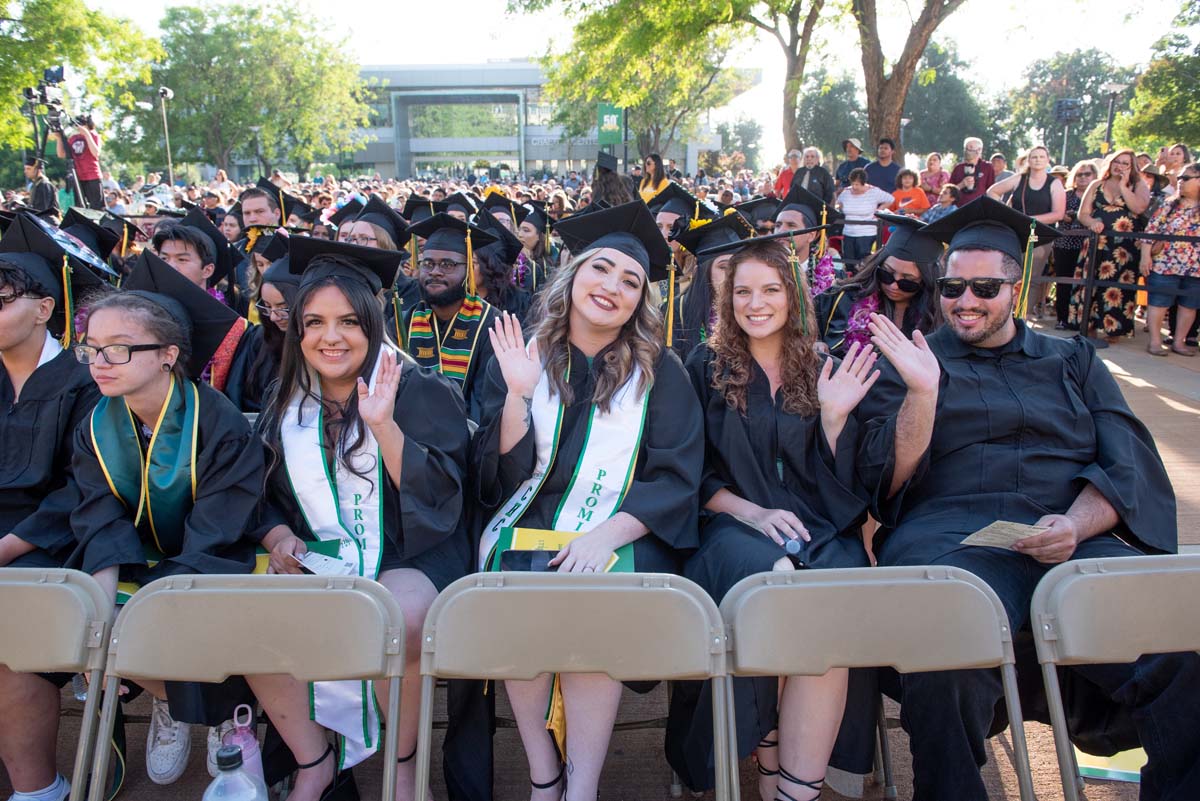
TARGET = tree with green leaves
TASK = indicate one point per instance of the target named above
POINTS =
(242, 88)
(829, 111)
(943, 105)
(743, 135)
(1166, 100)
(107, 54)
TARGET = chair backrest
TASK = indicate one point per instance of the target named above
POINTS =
(627, 625)
(911, 618)
(54, 620)
(1117, 609)
(207, 628)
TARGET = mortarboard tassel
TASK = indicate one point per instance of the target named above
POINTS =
(398, 310)
(471, 288)
(794, 260)
(824, 243)
(1026, 273)
(251, 238)
(124, 240)
(68, 305)
(671, 304)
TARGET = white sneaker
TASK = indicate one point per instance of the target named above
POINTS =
(168, 745)
(216, 734)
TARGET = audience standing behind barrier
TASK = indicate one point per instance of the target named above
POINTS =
(1174, 265)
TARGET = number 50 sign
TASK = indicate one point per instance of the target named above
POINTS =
(610, 124)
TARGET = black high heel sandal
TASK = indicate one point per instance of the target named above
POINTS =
(342, 787)
(561, 778)
(765, 743)
(815, 785)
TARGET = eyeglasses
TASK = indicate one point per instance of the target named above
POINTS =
(283, 312)
(982, 288)
(113, 354)
(887, 278)
(13, 296)
(1188, 177)
(361, 239)
(442, 265)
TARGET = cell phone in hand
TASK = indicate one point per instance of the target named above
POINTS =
(527, 561)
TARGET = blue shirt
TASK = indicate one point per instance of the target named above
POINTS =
(881, 176)
(843, 171)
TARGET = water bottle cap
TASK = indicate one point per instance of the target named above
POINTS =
(792, 547)
(229, 757)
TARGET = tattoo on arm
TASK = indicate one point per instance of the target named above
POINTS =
(528, 410)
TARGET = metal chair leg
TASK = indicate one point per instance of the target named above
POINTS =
(424, 737)
(885, 754)
(1068, 768)
(1008, 674)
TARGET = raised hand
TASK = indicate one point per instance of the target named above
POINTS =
(377, 406)
(521, 370)
(839, 392)
(914, 361)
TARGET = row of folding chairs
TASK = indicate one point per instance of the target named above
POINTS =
(501, 626)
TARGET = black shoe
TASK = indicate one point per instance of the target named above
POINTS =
(1060, 326)
(342, 787)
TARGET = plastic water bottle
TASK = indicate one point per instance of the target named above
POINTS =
(233, 782)
(244, 735)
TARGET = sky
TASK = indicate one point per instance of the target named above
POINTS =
(998, 37)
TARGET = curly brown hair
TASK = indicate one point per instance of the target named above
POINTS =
(731, 346)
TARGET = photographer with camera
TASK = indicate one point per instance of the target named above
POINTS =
(84, 146)
(43, 196)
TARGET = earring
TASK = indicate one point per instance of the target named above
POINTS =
(166, 368)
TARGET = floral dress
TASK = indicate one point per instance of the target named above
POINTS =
(1116, 260)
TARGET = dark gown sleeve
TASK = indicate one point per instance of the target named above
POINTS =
(663, 493)
(699, 372)
(431, 415)
(1128, 470)
(832, 308)
(496, 476)
(49, 526)
(241, 376)
(483, 358)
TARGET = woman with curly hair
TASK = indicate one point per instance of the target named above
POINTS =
(595, 397)
(1115, 201)
(777, 495)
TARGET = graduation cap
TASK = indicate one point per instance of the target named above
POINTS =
(800, 199)
(444, 232)
(347, 212)
(908, 240)
(606, 161)
(206, 319)
(379, 213)
(125, 229)
(418, 208)
(254, 233)
(87, 229)
(758, 210)
(6, 218)
(507, 246)
(222, 257)
(280, 274)
(730, 228)
(276, 192)
(297, 206)
(461, 202)
(313, 217)
(498, 202)
(46, 256)
(35, 161)
(674, 199)
(628, 228)
(373, 267)
(272, 248)
(988, 224)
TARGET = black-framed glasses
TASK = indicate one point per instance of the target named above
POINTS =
(363, 240)
(12, 296)
(1188, 177)
(982, 288)
(283, 312)
(887, 277)
(441, 265)
(113, 354)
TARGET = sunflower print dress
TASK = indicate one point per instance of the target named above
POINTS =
(1116, 260)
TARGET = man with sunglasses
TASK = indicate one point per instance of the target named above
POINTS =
(997, 422)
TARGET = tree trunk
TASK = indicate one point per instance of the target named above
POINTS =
(795, 51)
(886, 95)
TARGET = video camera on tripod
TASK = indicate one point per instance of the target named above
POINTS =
(49, 94)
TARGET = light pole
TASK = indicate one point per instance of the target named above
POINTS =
(165, 94)
(1113, 89)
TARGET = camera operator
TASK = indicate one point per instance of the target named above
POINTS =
(43, 197)
(84, 144)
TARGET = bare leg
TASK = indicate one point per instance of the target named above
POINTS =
(591, 701)
(286, 702)
(810, 712)
(1183, 321)
(29, 711)
(529, 700)
(1154, 321)
(156, 688)
(416, 594)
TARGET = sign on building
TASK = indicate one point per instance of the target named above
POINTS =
(610, 123)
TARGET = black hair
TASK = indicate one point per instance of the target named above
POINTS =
(161, 326)
(660, 173)
(953, 191)
(858, 176)
(493, 274)
(21, 282)
(177, 232)
(887, 140)
(610, 187)
(348, 433)
(923, 314)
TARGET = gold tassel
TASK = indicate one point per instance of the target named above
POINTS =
(124, 240)
(68, 305)
(824, 243)
(794, 258)
(251, 238)
(671, 305)
(398, 310)
(1026, 273)
(471, 288)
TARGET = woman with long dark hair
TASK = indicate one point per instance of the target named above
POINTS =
(779, 473)
(256, 363)
(494, 265)
(356, 431)
(596, 387)
(1066, 248)
(539, 255)
(654, 177)
(896, 280)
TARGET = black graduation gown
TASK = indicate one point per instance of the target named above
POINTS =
(252, 370)
(408, 290)
(777, 460)
(228, 483)
(423, 526)
(832, 308)
(37, 441)
(471, 387)
(515, 301)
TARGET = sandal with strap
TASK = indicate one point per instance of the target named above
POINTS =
(765, 743)
(815, 785)
(341, 787)
(561, 778)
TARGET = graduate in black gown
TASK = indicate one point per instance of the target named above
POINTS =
(494, 264)
(779, 467)
(44, 394)
(146, 347)
(256, 363)
(597, 357)
(357, 432)
(998, 422)
(539, 255)
(378, 225)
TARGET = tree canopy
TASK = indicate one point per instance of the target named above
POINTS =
(943, 105)
(829, 112)
(1166, 100)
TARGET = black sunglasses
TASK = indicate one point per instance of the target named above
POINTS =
(982, 288)
(887, 277)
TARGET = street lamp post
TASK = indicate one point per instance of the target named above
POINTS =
(1113, 89)
(165, 94)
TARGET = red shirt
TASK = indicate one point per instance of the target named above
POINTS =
(87, 166)
(985, 176)
(784, 182)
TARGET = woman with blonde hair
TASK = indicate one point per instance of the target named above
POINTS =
(594, 394)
